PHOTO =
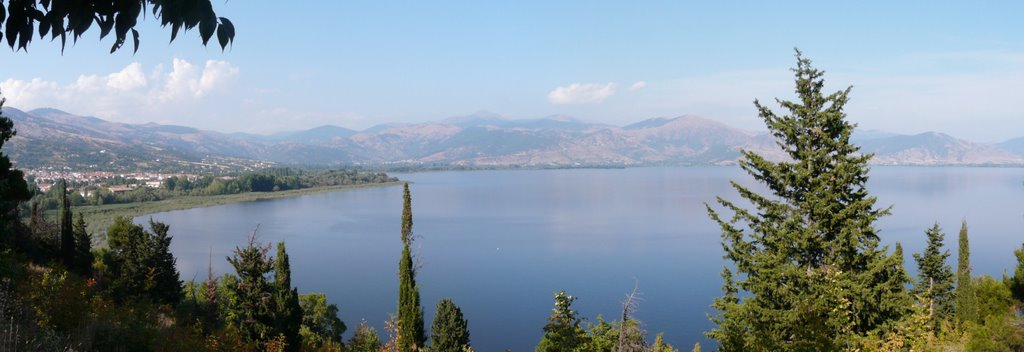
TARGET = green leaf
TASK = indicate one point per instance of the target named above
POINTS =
(207, 27)
(12, 32)
(105, 26)
(135, 37)
(26, 37)
(174, 30)
(44, 27)
(117, 44)
(225, 33)
(57, 25)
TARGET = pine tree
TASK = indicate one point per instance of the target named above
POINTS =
(410, 314)
(166, 282)
(450, 331)
(83, 247)
(935, 276)
(562, 333)
(966, 299)
(252, 310)
(288, 315)
(67, 237)
(807, 269)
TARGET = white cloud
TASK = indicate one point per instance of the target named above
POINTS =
(637, 86)
(128, 95)
(582, 93)
(131, 77)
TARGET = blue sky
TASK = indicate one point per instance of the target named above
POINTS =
(955, 67)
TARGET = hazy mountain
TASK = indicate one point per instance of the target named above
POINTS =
(49, 137)
(933, 148)
(1015, 145)
(316, 135)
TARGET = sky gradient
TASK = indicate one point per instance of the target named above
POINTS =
(915, 66)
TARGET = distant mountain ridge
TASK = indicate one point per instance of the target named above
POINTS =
(48, 137)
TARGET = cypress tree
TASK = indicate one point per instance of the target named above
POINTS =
(935, 276)
(966, 299)
(406, 215)
(83, 247)
(450, 331)
(288, 316)
(807, 270)
(411, 336)
(67, 237)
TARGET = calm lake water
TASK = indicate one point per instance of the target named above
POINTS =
(501, 242)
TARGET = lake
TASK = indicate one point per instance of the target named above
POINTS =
(499, 243)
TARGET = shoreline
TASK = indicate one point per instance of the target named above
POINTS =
(99, 217)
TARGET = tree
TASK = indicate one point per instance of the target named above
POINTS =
(1016, 283)
(410, 315)
(288, 312)
(83, 247)
(58, 18)
(966, 300)
(13, 188)
(140, 264)
(807, 270)
(562, 333)
(67, 237)
(320, 323)
(166, 286)
(661, 346)
(450, 331)
(365, 339)
(252, 310)
(935, 276)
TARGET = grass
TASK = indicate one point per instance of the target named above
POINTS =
(100, 217)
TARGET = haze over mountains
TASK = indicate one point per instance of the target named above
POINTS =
(48, 137)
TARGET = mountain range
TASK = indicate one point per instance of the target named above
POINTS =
(48, 137)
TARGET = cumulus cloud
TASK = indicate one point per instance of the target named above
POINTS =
(582, 93)
(129, 95)
(637, 86)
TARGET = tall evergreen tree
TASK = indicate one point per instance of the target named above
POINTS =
(166, 282)
(562, 333)
(252, 309)
(67, 237)
(411, 336)
(966, 299)
(807, 269)
(83, 247)
(13, 188)
(140, 264)
(288, 315)
(935, 276)
(406, 215)
(450, 331)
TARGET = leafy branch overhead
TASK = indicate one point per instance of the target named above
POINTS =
(21, 19)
